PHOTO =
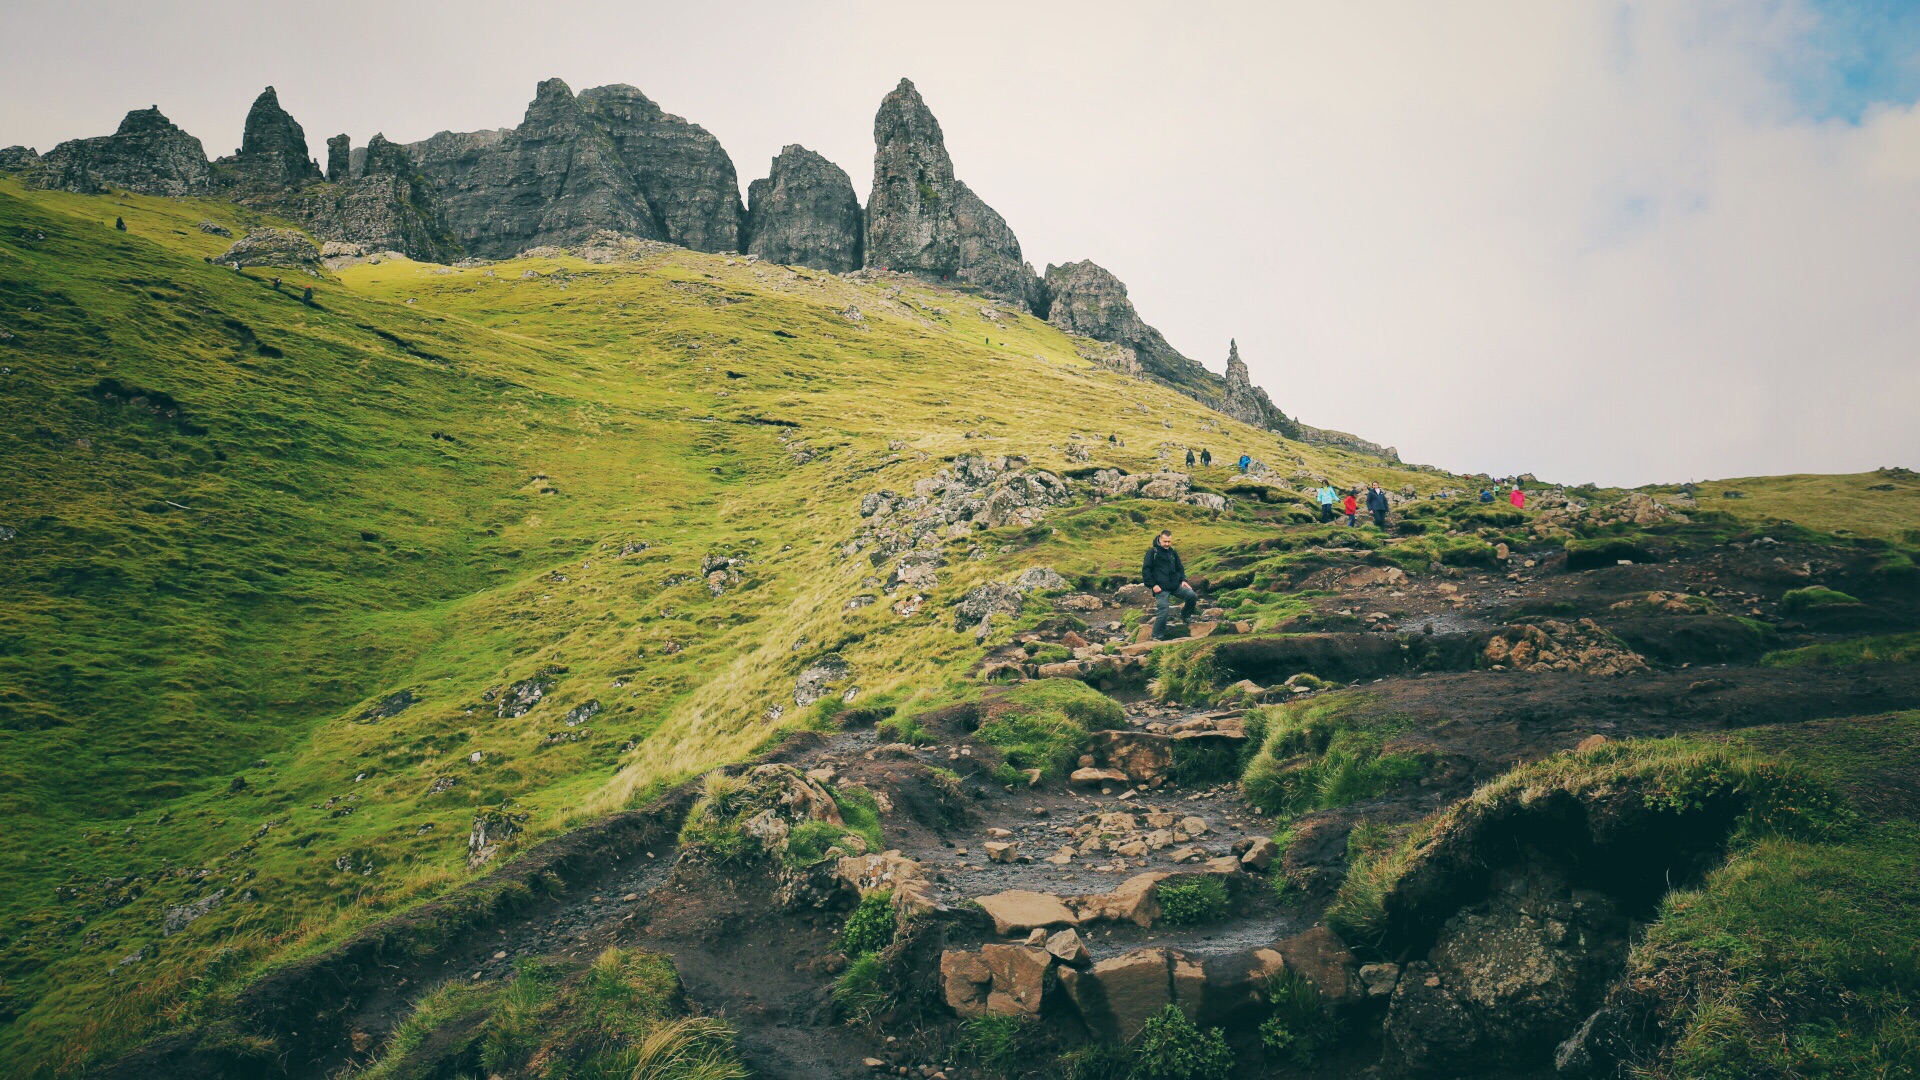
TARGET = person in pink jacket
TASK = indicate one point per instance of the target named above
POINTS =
(1518, 498)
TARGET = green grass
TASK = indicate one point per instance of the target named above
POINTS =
(1192, 902)
(1674, 775)
(622, 1016)
(1844, 500)
(244, 522)
(1883, 649)
(1326, 752)
(1045, 724)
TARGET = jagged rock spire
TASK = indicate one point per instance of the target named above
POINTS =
(273, 148)
(804, 213)
(921, 219)
(339, 159)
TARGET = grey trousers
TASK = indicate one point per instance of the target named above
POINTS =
(1163, 607)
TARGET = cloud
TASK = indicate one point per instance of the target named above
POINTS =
(1595, 240)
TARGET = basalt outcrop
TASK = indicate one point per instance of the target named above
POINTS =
(1085, 299)
(273, 150)
(804, 213)
(923, 220)
(610, 161)
(148, 155)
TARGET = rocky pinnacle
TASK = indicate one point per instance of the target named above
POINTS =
(923, 220)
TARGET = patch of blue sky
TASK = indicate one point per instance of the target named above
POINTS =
(1852, 56)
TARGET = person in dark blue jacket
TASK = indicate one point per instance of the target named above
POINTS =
(1377, 505)
(1166, 575)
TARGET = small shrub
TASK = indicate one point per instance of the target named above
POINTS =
(1298, 1026)
(871, 925)
(1815, 596)
(1189, 903)
(1172, 1047)
(905, 729)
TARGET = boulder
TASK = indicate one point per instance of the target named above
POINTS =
(1040, 579)
(1143, 756)
(1320, 956)
(1021, 975)
(966, 981)
(984, 602)
(1117, 996)
(272, 247)
(1096, 777)
(1260, 854)
(1133, 901)
(1017, 911)
(819, 677)
(1068, 948)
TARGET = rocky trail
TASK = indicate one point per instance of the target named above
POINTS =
(1049, 898)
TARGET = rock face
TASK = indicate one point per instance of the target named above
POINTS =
(18, 158)
(386, 207)
(609, 159)
(1248, 403)
(679, 167)
(148, 155)
(273, 148)
(1344, 441)
(1085, 299)
(556, 179)
(1509, 977)
(804, 213)
(922, 220)
(339, 159)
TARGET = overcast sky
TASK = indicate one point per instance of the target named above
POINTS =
(1623, 242)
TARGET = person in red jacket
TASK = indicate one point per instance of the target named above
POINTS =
(1518, 498)
(1350, 506)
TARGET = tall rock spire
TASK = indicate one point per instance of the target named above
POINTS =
(923, 220)
(804, 213)
(273, 148)
(1248, 403)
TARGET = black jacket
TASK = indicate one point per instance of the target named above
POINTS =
(1162, 567)
(1377, 500)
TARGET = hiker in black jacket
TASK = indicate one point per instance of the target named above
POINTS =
(1189, 457)
(1377, 505)
(1166, 575)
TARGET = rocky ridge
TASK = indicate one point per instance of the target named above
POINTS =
(611, 162)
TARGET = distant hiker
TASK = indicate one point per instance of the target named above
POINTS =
(120, 223)
(1327, 497)
(1518, 498)
(1246, 461)
(276, 284)
(306, 296)
(1189, 457)
(1113, 438)
(1350, 507)
(1206, 456)
(1163, 571)
(1486, 495)
(1377, 505)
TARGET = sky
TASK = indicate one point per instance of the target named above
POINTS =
(1598, 241)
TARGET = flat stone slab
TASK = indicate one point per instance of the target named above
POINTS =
(1017, 911)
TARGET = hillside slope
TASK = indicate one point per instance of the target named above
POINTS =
(241, 525)
(317, 612)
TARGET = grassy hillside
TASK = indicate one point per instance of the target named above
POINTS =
(239, 524)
